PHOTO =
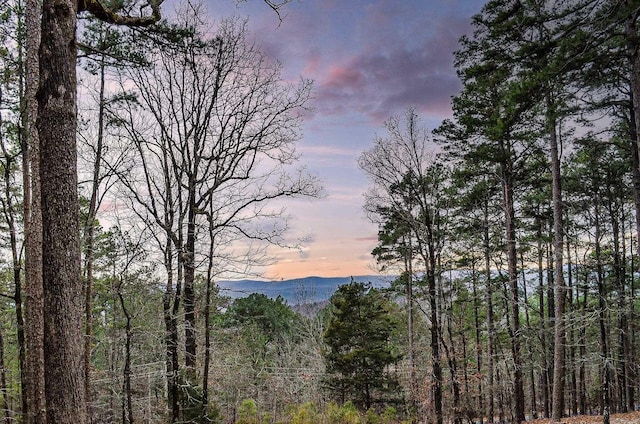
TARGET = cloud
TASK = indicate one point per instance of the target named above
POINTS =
(375, 58)
(367, 239)
(328, 151)
(384, 79)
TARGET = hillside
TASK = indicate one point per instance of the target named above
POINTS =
(299, 290)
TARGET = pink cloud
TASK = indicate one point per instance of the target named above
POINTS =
(341, 78)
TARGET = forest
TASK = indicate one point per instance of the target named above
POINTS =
(143, 158)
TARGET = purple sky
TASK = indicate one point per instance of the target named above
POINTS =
(369, 60)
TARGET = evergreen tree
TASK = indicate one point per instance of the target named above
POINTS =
(358, 337)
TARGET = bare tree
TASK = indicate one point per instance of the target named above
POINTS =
(213, 134)
(406, 180)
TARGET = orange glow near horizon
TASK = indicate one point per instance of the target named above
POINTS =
(320, 261)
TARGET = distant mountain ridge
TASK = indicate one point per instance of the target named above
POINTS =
(298, 290)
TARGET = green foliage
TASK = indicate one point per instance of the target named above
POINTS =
(274, 318)
(247, 412)
(358, 337)
(346, 414)
(389, 415)
(371, 417)
(303, 414)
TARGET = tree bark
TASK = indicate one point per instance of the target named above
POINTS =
(57, 107)
(34, 319)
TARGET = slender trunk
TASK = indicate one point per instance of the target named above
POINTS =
(408, 266)
(557, 409)
(189, 290)
(635, 176)
(525, 299)
(604, 350)
(571, 333)
(450, 353)
(207, 328)
(476, 321)
(583, 349)
(22, 348)
(490, 318)
(9, 210)
(63, 347)
(512, 266)
(632, 39)
(128, 417)
(171, 337)
(17, 271)
(34, 328)
(436, 365)
(619, 286)
(89, 228)
(544, 376)
(6, 416)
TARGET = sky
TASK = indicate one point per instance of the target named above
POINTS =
(369, 60)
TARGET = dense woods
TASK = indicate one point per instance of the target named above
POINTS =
(510, 233)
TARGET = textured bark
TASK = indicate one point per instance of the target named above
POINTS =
(57, 105)
(34, 320)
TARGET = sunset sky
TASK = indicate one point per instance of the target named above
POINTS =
(369, 60)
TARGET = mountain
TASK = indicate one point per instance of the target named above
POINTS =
(299, 290)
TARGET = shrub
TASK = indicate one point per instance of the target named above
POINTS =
(247, 412)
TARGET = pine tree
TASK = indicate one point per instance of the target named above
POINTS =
(358, 337)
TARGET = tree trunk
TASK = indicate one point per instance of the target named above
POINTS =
(189, 290)
(171, 337)
(512, 266)
(532, 382)
(634, 148)
(436, 366)
(571, 334)
(411, 354)
(490, 319)
(604, 350)
(557, 407)
(478, 346)
(9, 211)
(127, 414)
(89, 229)
(63, 345)
(207, 328)
(4, 403)
(34, 319)
(544, 376)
